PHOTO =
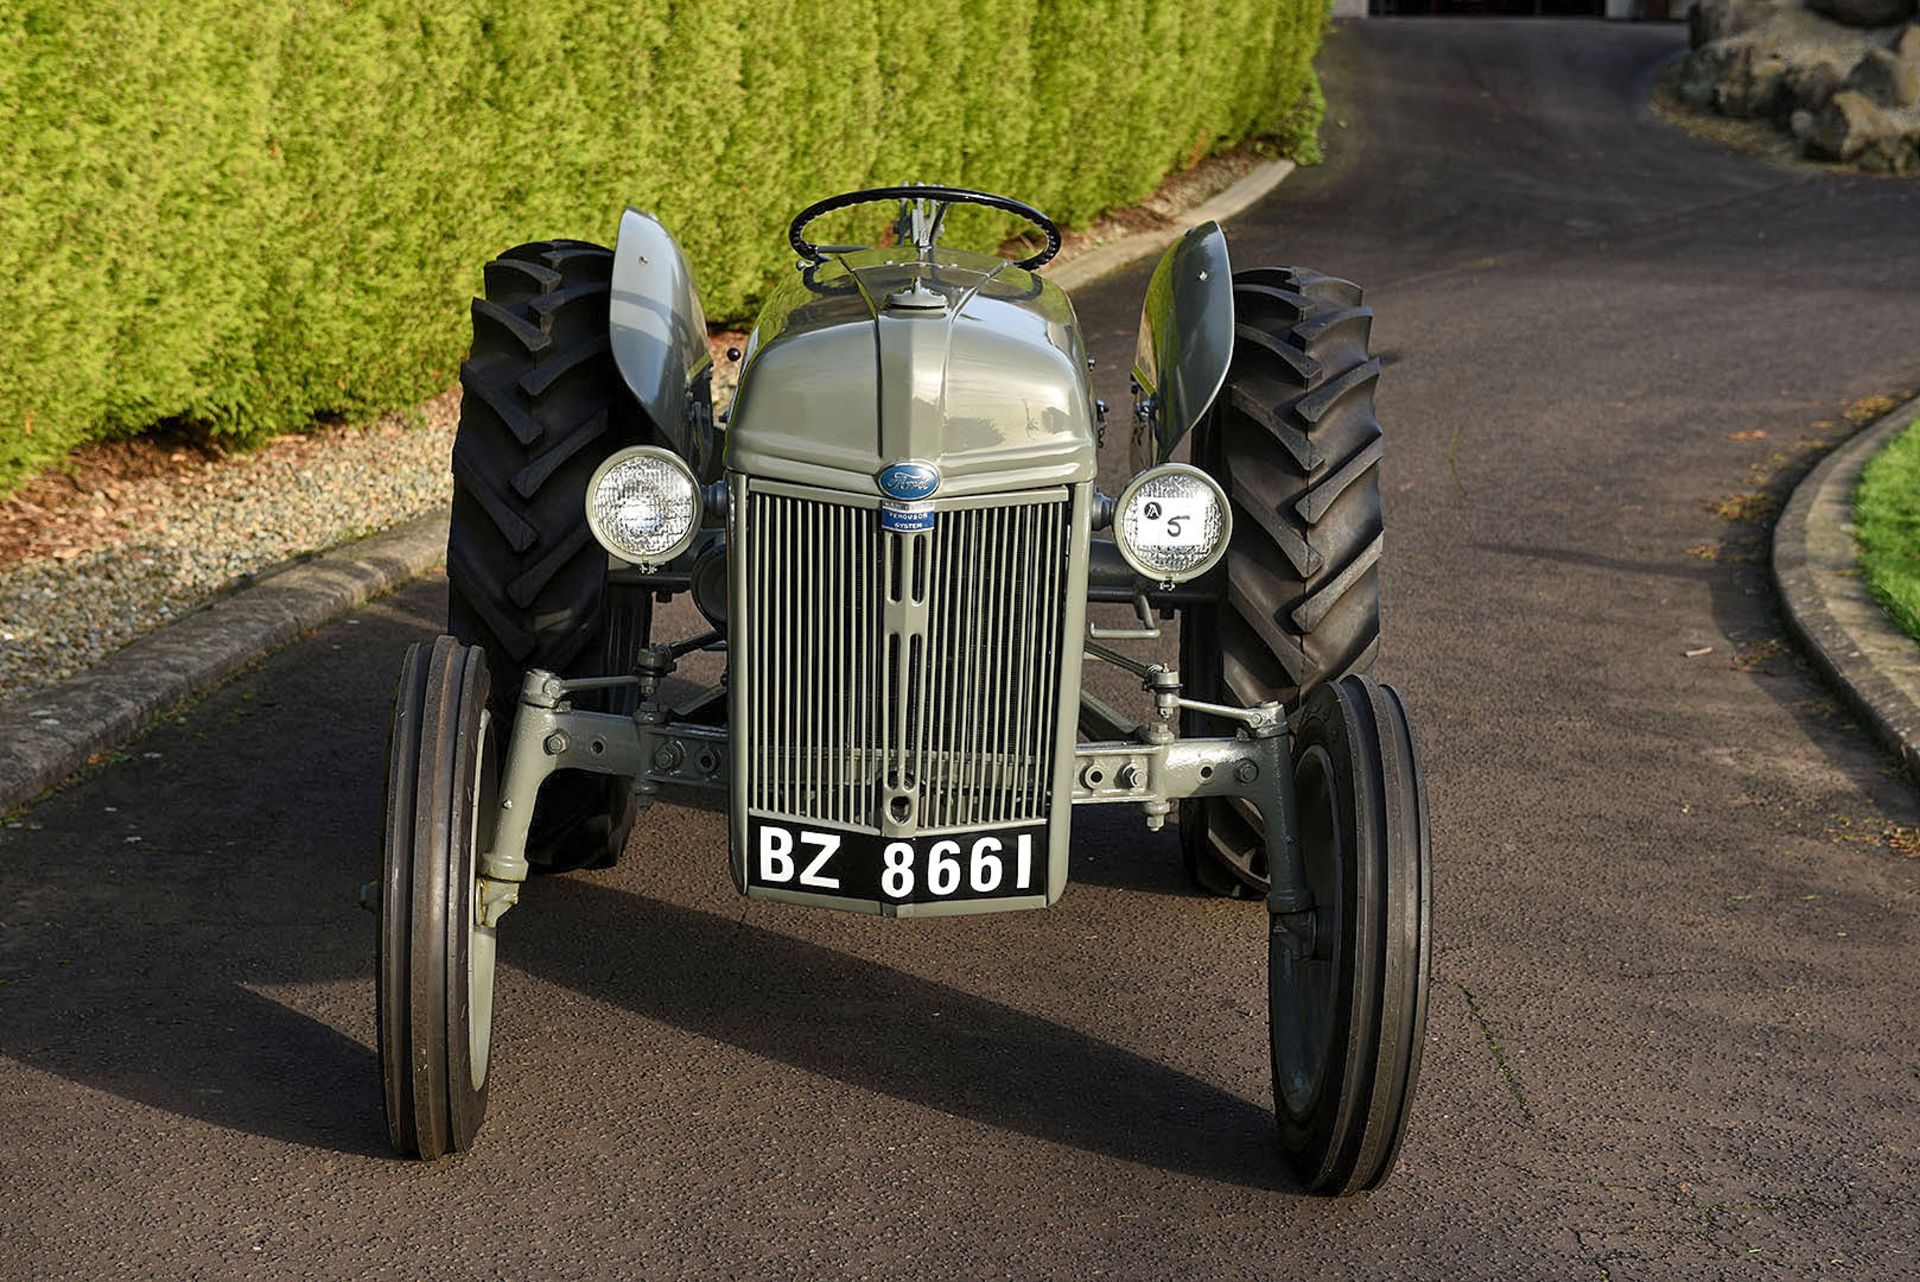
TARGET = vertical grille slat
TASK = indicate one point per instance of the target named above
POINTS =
(960, 771)
(835, 702)
(844, 690)
(1024, 660)
(991, 661)
(947, 628)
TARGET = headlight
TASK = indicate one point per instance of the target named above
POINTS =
(643, 505)
(1172, 522)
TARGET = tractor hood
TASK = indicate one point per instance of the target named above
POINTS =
(956, 359)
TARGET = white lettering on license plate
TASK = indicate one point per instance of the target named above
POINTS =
(777, 860)
(866, 866)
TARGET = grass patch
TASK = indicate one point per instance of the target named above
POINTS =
(1886, 513)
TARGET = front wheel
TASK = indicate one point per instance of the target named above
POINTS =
(1348, 1006)
(434, 978)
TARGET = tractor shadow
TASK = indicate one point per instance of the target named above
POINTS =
(159, 906)
(141, 950)
(198, 1045)
(924, 1042)
(1113, 847)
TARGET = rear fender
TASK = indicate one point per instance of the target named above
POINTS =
(1185, 345)
(659, 332)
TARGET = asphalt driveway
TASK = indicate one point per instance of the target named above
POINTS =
(1673, 1028)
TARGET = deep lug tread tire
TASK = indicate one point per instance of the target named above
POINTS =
(1295, 442)
(440, 764)
(1348, 1024)
(543, 404)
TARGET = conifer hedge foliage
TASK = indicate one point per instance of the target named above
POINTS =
(240, 216)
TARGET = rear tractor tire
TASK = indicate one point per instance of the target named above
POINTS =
(1295, 442)
(542, 405)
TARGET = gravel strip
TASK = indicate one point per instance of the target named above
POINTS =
(212, 525)
(55, 731)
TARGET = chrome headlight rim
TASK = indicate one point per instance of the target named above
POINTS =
(695, 516)
(1131, 491)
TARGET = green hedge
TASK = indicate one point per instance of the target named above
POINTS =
(241, 216)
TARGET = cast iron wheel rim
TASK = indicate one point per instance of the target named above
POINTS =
(481, 939)
(1303, 1028)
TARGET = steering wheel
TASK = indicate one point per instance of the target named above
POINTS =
(808, 251)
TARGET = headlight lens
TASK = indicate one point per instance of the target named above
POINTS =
(643, 505)
(1172, 522)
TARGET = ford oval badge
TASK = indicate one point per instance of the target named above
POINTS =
(910, 481)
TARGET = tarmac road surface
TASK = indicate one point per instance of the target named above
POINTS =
(1673, 1026)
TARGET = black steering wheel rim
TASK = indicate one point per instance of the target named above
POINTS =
(808, 251)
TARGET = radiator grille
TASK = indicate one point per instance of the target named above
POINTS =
(917, 672)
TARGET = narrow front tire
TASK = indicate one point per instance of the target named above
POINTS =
(1348, 1007)
(434, 978)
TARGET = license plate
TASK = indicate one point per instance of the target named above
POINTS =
(1003, 863)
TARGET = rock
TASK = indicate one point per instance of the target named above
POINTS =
(1894, 155)
(1864, 13)
(1848, 124)
(1811, 85)
(1887, 80)
(1710, 20)
(1701, 73)
(1801, 123)
(1908, 45)
(1754, 84)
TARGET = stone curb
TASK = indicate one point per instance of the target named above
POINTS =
(1816, 569)
(1115, 254)
(50, 734)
